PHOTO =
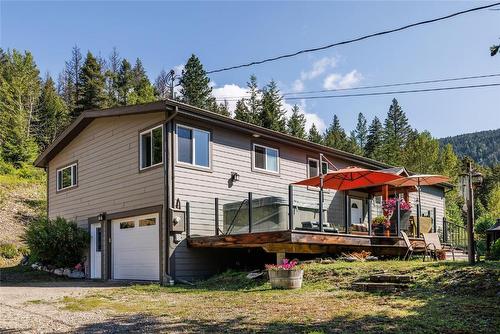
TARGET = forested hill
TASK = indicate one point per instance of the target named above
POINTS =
(483, 146)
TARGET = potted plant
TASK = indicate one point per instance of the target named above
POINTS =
(287, 275)
(380, 224)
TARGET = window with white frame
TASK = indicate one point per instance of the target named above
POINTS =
(67, 177)
(312, 167)
(151, 147)
(265, 158)
(193, 146)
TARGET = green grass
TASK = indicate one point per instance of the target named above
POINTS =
(447, 297)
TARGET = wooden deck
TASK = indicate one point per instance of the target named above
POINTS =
(306, 242)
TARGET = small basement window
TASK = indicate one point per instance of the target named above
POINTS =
(67, 177)
(265, 158)
(193, 146)
(151, 147)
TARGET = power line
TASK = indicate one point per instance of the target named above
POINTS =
(385, 32)
(386, 93)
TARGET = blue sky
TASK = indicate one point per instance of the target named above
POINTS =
(165, 34)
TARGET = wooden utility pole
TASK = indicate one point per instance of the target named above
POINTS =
(470, 215)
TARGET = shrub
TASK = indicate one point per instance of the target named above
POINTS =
(8, 251)
(495, 250)
(57, 242)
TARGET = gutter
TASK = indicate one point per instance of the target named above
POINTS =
(168, 178)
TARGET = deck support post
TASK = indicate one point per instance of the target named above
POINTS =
(188, 219)
(321, 210)
(290, 207)
(250, 212)
(217, 216)
(418, 221)
(398, 218)
(434, 222)
(370, 199)
(347, 210)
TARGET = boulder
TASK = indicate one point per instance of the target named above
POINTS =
(371, 258)
(58, 271)
(76, 274)
(66, 272)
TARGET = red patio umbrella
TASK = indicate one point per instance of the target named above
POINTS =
(350, 178)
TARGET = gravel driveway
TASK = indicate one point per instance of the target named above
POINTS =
(32, 307)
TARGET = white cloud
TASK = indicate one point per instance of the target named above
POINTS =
(339, 81)
(311, 118)
(231, 93)
(298, 86)
(319, 67)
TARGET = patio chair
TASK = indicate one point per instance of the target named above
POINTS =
(433, 244)
(411, 249)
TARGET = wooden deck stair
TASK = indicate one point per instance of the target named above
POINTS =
(384, 283)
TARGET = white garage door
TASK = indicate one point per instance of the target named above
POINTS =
(136, 251)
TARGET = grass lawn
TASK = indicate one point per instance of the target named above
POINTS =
(447, 297)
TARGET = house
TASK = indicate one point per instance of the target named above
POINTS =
(163, 189)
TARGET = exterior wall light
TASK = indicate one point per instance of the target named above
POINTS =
(235, 176)
(101, 217)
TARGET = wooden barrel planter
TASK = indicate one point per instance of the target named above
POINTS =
(286, 279)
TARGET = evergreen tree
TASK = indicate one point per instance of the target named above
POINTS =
(296, 124)
(195, 85)
(72, 80)
(143, 91)
(374, 138)
(272, 116)
(93, 94)
(448, 163)
(162, 86)
(51, 115)
(421, 153)
(241, 112)
(223, 109)
(111, 75)
(314, 135)
(254, 101)
(124, 83)
(19, 93)
(361, 132)
(396, 132)
(351, 144)
(335, 136)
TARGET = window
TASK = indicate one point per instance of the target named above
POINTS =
(193, 146)
(98, 239)
(265, 158)
(147, 222)
(312, 167)
(151, 147)
(124, 225)
(67, 177)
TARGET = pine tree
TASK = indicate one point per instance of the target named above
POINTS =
(448, 163)
(195, 85)
(296, 124)
(72, 83)
(254, 101)
(143, 91)
(223, 109)
(421, 153)
(361, 132)
(162, 85)
(51, 115)
(272, 116)
(93, 94)
(374, 138)
(19, 93)
(351, 144)
(124, 83)
(241, 112)
(396, 133)
(314, 135)
(335, 136)
(111, 75)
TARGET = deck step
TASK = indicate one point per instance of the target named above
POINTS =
(387, 278)
(379, 286)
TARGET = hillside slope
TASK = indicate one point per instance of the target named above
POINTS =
(483, 146)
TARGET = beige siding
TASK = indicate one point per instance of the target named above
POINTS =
(108, 172)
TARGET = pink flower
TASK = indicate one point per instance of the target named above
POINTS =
(286, 265)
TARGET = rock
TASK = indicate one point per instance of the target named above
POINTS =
(45, 268)
(25, 260)
(371, 258)
(350, 259)
(66, 272)
(35, 266)
(255, 274)
(58, 271)
(76, 274)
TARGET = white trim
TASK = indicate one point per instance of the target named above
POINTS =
(193, 146)
(317, 166)
(140, 147)
(265, 161)
(72, 178)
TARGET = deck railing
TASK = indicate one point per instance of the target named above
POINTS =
(455, 235)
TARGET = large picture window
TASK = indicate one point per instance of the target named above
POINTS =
(265, 158)
(193, 146)
(67, 177)
(151, 147)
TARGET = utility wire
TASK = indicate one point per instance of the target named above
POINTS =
(385, 32)
(385, 93)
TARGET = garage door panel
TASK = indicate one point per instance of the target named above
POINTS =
(136, 249)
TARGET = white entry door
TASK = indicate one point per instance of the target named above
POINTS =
(356, 211)
(95, 250)
(135, 248)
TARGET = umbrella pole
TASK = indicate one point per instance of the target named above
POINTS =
(321, 204)
(419, 208)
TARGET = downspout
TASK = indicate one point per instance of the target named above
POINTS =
(167, 191)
